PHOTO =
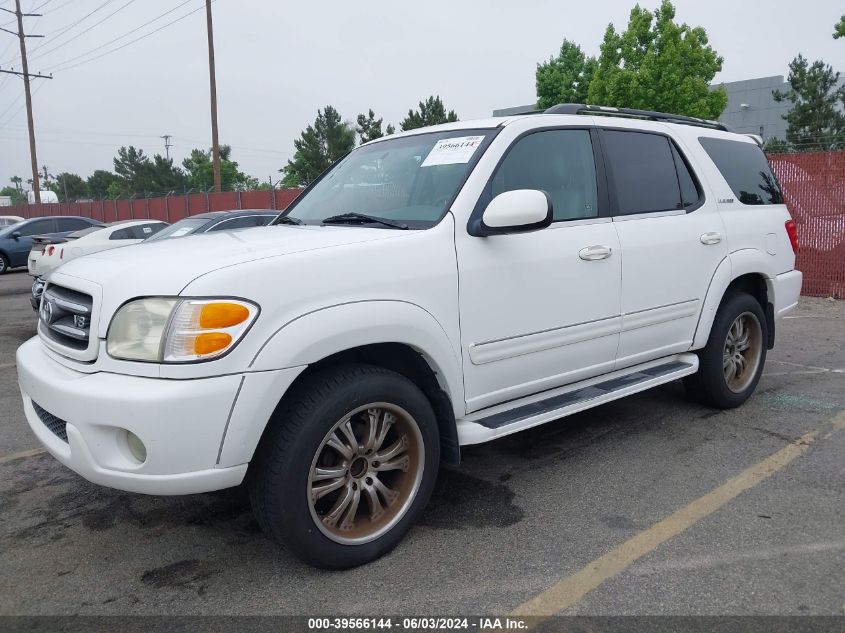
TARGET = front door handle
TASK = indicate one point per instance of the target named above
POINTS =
(711, 238)
(595, 253)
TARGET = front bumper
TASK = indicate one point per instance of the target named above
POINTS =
(182, 424)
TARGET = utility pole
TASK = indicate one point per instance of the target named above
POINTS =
(167, 144)
(36, 188)
(215, 139)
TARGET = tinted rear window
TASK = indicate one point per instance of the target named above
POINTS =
(745, 168)
(643, 171)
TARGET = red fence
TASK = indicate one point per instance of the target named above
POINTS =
(169, 209)
(813, 185)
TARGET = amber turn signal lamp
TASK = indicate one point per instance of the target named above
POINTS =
(215, 316)
(210, 342)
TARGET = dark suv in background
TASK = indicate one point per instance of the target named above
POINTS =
(16, 240)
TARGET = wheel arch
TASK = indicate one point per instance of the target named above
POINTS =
(394, 335)
(741, 271)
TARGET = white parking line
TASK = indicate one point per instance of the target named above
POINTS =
(806, 369)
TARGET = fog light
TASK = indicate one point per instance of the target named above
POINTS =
(136, 447)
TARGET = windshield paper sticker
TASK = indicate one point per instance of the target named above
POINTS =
(451, 151)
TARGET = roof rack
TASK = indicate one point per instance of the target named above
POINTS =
(648, 115)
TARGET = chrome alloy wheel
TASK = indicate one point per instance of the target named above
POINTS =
(366, 473)
(742, 353)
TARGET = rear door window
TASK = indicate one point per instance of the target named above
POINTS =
(642, 170)
(746, 170)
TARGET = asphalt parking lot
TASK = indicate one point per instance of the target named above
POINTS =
(650, 505)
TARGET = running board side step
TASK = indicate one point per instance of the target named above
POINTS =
(502, 420)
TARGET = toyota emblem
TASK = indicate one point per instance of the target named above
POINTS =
(47, 312)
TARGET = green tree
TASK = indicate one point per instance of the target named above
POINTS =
(319, 145)
(140, 175)
(16, 195)
(565, 78)
(200, 171)
(114, 190)
(839, 29)
(658, 64)
(776, 146)
(133, 168)
(815, 121)
(431, 112)
(69, 187)
(164, 176)
(369, 127)
(99, 182)
(18, 182)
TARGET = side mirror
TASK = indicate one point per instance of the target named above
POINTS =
(16, 235)
(518, 211)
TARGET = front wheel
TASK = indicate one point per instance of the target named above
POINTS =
(4, 264)
(347, 466)
(732, 361)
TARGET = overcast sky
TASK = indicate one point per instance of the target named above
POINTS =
(278, 62)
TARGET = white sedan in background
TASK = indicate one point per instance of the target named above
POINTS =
(46, 256)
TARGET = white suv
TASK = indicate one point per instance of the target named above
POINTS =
(435, 288)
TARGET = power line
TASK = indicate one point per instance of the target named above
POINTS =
(127, 34)
(64, 65)
(78, 35)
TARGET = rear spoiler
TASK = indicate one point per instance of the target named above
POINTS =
(43, 240)
(756, 138)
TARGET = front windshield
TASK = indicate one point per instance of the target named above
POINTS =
(409, 179)
(180, 229)
(8, 230)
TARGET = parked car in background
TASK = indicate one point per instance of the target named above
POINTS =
(47, 254)
(8, 220)
(216, 221)
(16, 240)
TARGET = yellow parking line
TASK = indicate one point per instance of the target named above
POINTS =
(572, 589)
(5, 459)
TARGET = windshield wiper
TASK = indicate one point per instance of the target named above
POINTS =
(286, 219)
(360, 218)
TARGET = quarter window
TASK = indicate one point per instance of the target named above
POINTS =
(559, 162)
(643, 172)
(746, 170)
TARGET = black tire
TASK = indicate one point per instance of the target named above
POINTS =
(280, 476)
(710, 385)
(4, 264)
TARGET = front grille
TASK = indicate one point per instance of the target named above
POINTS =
(65, 315)
(56, 426)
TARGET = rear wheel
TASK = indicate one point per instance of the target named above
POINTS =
(733, 359)
(347, 467)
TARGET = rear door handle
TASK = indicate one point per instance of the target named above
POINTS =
(595, 253)
(711, 238)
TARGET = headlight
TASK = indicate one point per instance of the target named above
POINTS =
(178, 330)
